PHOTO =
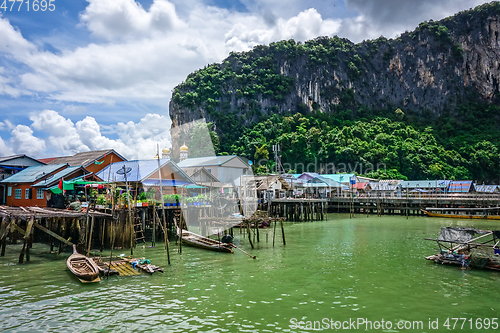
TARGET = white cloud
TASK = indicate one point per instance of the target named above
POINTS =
(119, 19)
(12, 41)
(60, 134)
(24, 142)
(306, 25)
(5, 149)
(392, 17)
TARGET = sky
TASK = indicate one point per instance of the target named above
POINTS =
(86, 75)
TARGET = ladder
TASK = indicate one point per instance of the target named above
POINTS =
(139, 233)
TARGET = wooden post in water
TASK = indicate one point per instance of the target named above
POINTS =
(283, 232)
(27, 237)
(153, 241)
(90, 233)
(274, 232)
(249, 232)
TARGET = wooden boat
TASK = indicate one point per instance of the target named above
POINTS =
(206, 243)
(84, 268)
(463, 216)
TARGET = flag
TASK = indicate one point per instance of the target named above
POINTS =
(61, 184)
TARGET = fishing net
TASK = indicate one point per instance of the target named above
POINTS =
(479, 260)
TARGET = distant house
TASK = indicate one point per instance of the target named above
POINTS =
(425, 186)
(324, 187)
(384, 189)
(227, 169)
(10, 165)
(93, 161)
(201, 176)
(27, 187)
(487, 189)
(362, 188)
(146, 173)
(460, 186)
(269, 186)
(306, 176)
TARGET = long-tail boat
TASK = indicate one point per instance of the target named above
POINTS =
(462, 216)
(202, 242)
(84, 268)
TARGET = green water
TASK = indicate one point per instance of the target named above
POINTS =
(339, 269)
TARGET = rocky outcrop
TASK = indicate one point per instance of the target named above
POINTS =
(432, 69)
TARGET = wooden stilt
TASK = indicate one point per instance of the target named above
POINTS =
(249, 236)
(283, 232)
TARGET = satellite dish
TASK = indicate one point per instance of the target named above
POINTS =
(123, 171)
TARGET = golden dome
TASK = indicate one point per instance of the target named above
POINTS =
(156, 157)
(165, 150)
(184, 147)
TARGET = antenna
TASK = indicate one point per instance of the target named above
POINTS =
(124, 170)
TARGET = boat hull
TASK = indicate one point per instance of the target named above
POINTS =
(459, 216)
(84, 268)
(206, 243)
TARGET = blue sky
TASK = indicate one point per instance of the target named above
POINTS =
(99, 73)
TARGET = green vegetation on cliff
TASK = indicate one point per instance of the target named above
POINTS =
(424, 104)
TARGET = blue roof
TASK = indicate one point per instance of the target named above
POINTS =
(486, 188)
(139, 170)
(339, 177)
(32, 174)
(61, 174)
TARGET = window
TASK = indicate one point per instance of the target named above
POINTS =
(27, 193)
(9, 191)
(39, 193)
(18, 193)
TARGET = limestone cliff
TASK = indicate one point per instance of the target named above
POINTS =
(432, 69)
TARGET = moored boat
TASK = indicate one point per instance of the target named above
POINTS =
(84, 268)
(463, 216)
(206, 243)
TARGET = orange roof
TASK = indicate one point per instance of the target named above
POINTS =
(47, 160)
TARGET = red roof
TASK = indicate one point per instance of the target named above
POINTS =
(47, 160)
(359, 186)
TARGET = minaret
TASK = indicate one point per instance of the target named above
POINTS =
(165, 153)
(184, 152)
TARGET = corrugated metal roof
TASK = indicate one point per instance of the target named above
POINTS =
(460, 186)
(322, 182)
(486, 188)
(139, 170)
(411, 184)
(13, 157)
(383, 186)
(208, 161)
(84, 158)
(61, 174)
(31, 174)
(339, 177)
(308, 175)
